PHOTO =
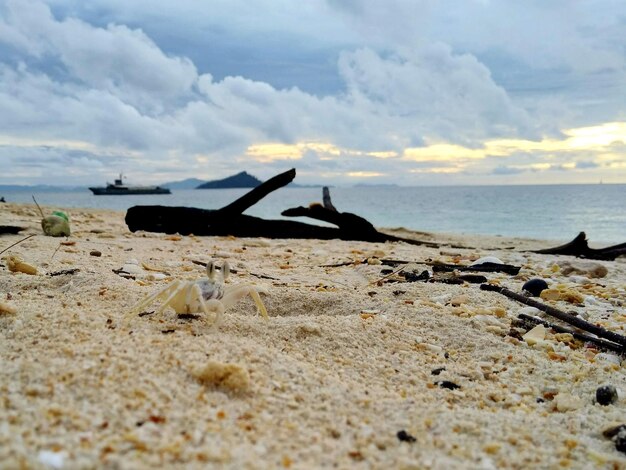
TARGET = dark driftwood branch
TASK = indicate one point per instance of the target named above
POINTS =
(252, 197)
(580, 248)
(443, 267)
(563, 316)
(326, 199)
(229, 220)
(527, 319)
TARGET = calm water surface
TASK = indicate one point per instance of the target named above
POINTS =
(556, 212)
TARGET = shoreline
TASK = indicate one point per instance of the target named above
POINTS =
(345, 363)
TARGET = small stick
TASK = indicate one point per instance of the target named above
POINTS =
(386, 276)
(561, 315)
(40, 211)
(17, 242)
(581, 336)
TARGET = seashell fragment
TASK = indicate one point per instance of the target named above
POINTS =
(487, 259)
(535, 335)
(17, 265)
(6, 309)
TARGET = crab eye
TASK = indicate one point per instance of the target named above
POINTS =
(225, 270)
(210, 269)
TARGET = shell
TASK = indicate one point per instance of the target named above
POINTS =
(17, 265)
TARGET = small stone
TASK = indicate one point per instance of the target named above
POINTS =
(590, 269)
(447, 384)
(95, 253)
(404, 436)
(606, 395)
(535, 286)
(458, 300)
(535, 335)
(566, 402)
(608, 358)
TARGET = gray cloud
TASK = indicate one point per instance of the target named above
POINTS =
(109, 78)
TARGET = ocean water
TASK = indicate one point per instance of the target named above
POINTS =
(553, 212)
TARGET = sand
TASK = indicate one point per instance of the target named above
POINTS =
(343, 365)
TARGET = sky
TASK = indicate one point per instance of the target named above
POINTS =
(408, 92)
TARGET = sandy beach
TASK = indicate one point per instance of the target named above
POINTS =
(355, 368)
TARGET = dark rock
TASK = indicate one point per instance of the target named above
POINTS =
(447, 384)
(95, 253)
(437, 371)
(404, 436)
(535, 286)
(606, 395)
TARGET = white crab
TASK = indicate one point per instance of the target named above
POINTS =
(202, 296)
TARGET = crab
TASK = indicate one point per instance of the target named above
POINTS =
(202, 296)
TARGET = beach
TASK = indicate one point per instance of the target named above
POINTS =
(355, 367)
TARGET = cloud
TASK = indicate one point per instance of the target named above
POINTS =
(82, 82)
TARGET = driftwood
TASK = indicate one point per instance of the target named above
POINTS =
(561, 315)
(528, 320)
(580, 248)
(229, 220)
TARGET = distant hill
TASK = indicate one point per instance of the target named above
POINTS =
(189, 183)
(240, 180)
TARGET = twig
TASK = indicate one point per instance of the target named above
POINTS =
(387, 276)
(554, 312)
(443, 267)
(17, 242)
(483, 268)
(40, 211)
(581, 336)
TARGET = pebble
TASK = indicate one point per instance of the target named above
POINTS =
(606, 395)
(95, 253)
(404, 436)
(535, 286)
(608, 358)
(591, 269)
(132, 269)
(487, 259)
(566, 402)
(52, 459)
(459, 300)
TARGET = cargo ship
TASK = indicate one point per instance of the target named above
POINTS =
(118, 188)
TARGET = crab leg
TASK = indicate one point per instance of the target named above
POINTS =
(234, 293)
(138, 307)
(172, 296)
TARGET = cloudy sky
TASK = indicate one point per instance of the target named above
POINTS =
(410, 92)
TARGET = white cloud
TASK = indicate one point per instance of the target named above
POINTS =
(114, 91)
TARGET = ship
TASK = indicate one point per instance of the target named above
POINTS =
(118, 188)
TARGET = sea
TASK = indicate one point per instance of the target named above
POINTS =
(549, 212)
